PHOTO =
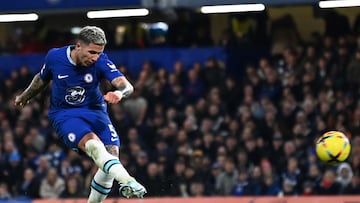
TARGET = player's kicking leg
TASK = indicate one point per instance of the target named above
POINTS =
(111, 165)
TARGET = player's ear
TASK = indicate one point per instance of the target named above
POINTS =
(78, 45)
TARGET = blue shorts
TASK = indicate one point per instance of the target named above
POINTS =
(71, 125)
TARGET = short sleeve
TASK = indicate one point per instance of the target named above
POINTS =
(108, 68)
(45, 72)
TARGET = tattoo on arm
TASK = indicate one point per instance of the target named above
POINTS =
(35, 87)
(113, 149)
(123, 85)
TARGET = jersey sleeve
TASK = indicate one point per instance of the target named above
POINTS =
(45, 72)
(108, 68)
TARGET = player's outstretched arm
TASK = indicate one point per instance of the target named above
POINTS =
(124, 89)
(35, 87)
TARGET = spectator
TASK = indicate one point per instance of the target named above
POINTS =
(308, 189)
(242, 160)
(25, 76)
(292, 175)
(35, 139)
(255, 182)
(270, 186)
(328, 185)
(288, 188)
(230, 94)
(180, 73)
(353, 188)
(254, 154)
(194, 89)
(241, 186)
(55, 155)
(4, 192)
(146, 76)
(276, 150)
(52, 185)
(272, 87)
(136, 107)
(190, 176)
(284, 32)
(353, 71)
(313, 177)
(73, 189)
(178, 180)
(355, 163)
(42, 166)
(176, 98)
(344, 174)
(197, 189)
(142, 168)
(214, 73)
(30, 186)
(12, 169)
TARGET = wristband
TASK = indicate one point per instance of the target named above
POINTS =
(119, 93)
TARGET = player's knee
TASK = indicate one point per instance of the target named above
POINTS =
(85, 139)
(93, 148)
(96, 150)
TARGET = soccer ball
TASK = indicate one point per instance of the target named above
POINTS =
(333, 147)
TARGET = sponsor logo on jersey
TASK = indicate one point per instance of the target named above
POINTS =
(112, 67)
(42, 69)
(76, 95)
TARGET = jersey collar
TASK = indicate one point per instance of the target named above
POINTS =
(68, 51)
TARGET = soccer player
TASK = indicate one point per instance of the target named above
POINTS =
(78, 109)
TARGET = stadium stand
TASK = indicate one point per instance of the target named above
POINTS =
(199, 124)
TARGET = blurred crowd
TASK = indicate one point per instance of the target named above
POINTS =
(200, 132)
(196, 131)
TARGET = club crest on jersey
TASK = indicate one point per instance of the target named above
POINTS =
(88, 78)
(71, 137)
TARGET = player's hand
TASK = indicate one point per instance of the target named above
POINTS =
(112, 97)
(20, 101)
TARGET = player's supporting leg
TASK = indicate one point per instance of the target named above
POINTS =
(111, 165)
(100, 187)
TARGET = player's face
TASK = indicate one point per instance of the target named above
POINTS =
(88, 54)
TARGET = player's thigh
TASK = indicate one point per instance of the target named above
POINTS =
(72, 130)
(105, 130)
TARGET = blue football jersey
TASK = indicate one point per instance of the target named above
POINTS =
(75, 86)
